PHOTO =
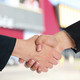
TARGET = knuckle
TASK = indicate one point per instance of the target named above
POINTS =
(32, 69)
(36, 35)
(41, 39)
(38, 41)
(51, 67)
(45, 70)
(59, 57)
(56, 63)
(27, 65)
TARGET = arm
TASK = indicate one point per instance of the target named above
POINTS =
(15, 47)
(26, 50)
(6, 47)
(70, 34)
(68, 38)
(74, 32)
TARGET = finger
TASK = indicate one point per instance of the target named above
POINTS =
(30, 63)
(39, 47)
(39, 70)
(35, 66)
(33, 38)
(39, 42)
(56, 55)
(21, 60)
(50, 66)
(54, 61)
(45, 70)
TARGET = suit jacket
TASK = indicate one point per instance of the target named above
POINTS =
(74, 31)
(6, 47)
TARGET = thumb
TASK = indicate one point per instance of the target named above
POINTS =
(46, 39)
(33, 38)
(39, 42)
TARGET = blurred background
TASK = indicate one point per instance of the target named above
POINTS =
(24, 18)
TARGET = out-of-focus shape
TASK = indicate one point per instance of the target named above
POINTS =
(31, 4)
(71, 3)
(67, 15)
(15, 18)
(68, 12)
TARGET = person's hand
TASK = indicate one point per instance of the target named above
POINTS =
(26, 50)
(58, 42)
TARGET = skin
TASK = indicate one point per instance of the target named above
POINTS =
(57, 42)
(26, 50)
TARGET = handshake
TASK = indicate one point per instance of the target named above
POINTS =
(42, 52)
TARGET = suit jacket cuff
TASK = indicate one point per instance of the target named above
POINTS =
(74, 31)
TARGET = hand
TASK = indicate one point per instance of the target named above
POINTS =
(58, 42)
(26, 50)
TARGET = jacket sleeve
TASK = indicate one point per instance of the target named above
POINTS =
(74, 31)
(6, 47)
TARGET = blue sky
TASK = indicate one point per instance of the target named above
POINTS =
(71, 3)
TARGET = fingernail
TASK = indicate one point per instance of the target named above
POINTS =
(39, 70)
(32, 62)
(39, 48)
(37, 64)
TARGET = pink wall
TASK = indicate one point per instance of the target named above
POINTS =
(49, 17)
(12, 33)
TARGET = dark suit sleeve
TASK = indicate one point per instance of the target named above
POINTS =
(74, 32)
(6, 47)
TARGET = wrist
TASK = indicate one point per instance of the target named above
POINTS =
(64, 39)
(25, 49)
(18, 48)
(71, 41)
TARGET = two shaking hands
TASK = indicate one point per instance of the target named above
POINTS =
(42, 52)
